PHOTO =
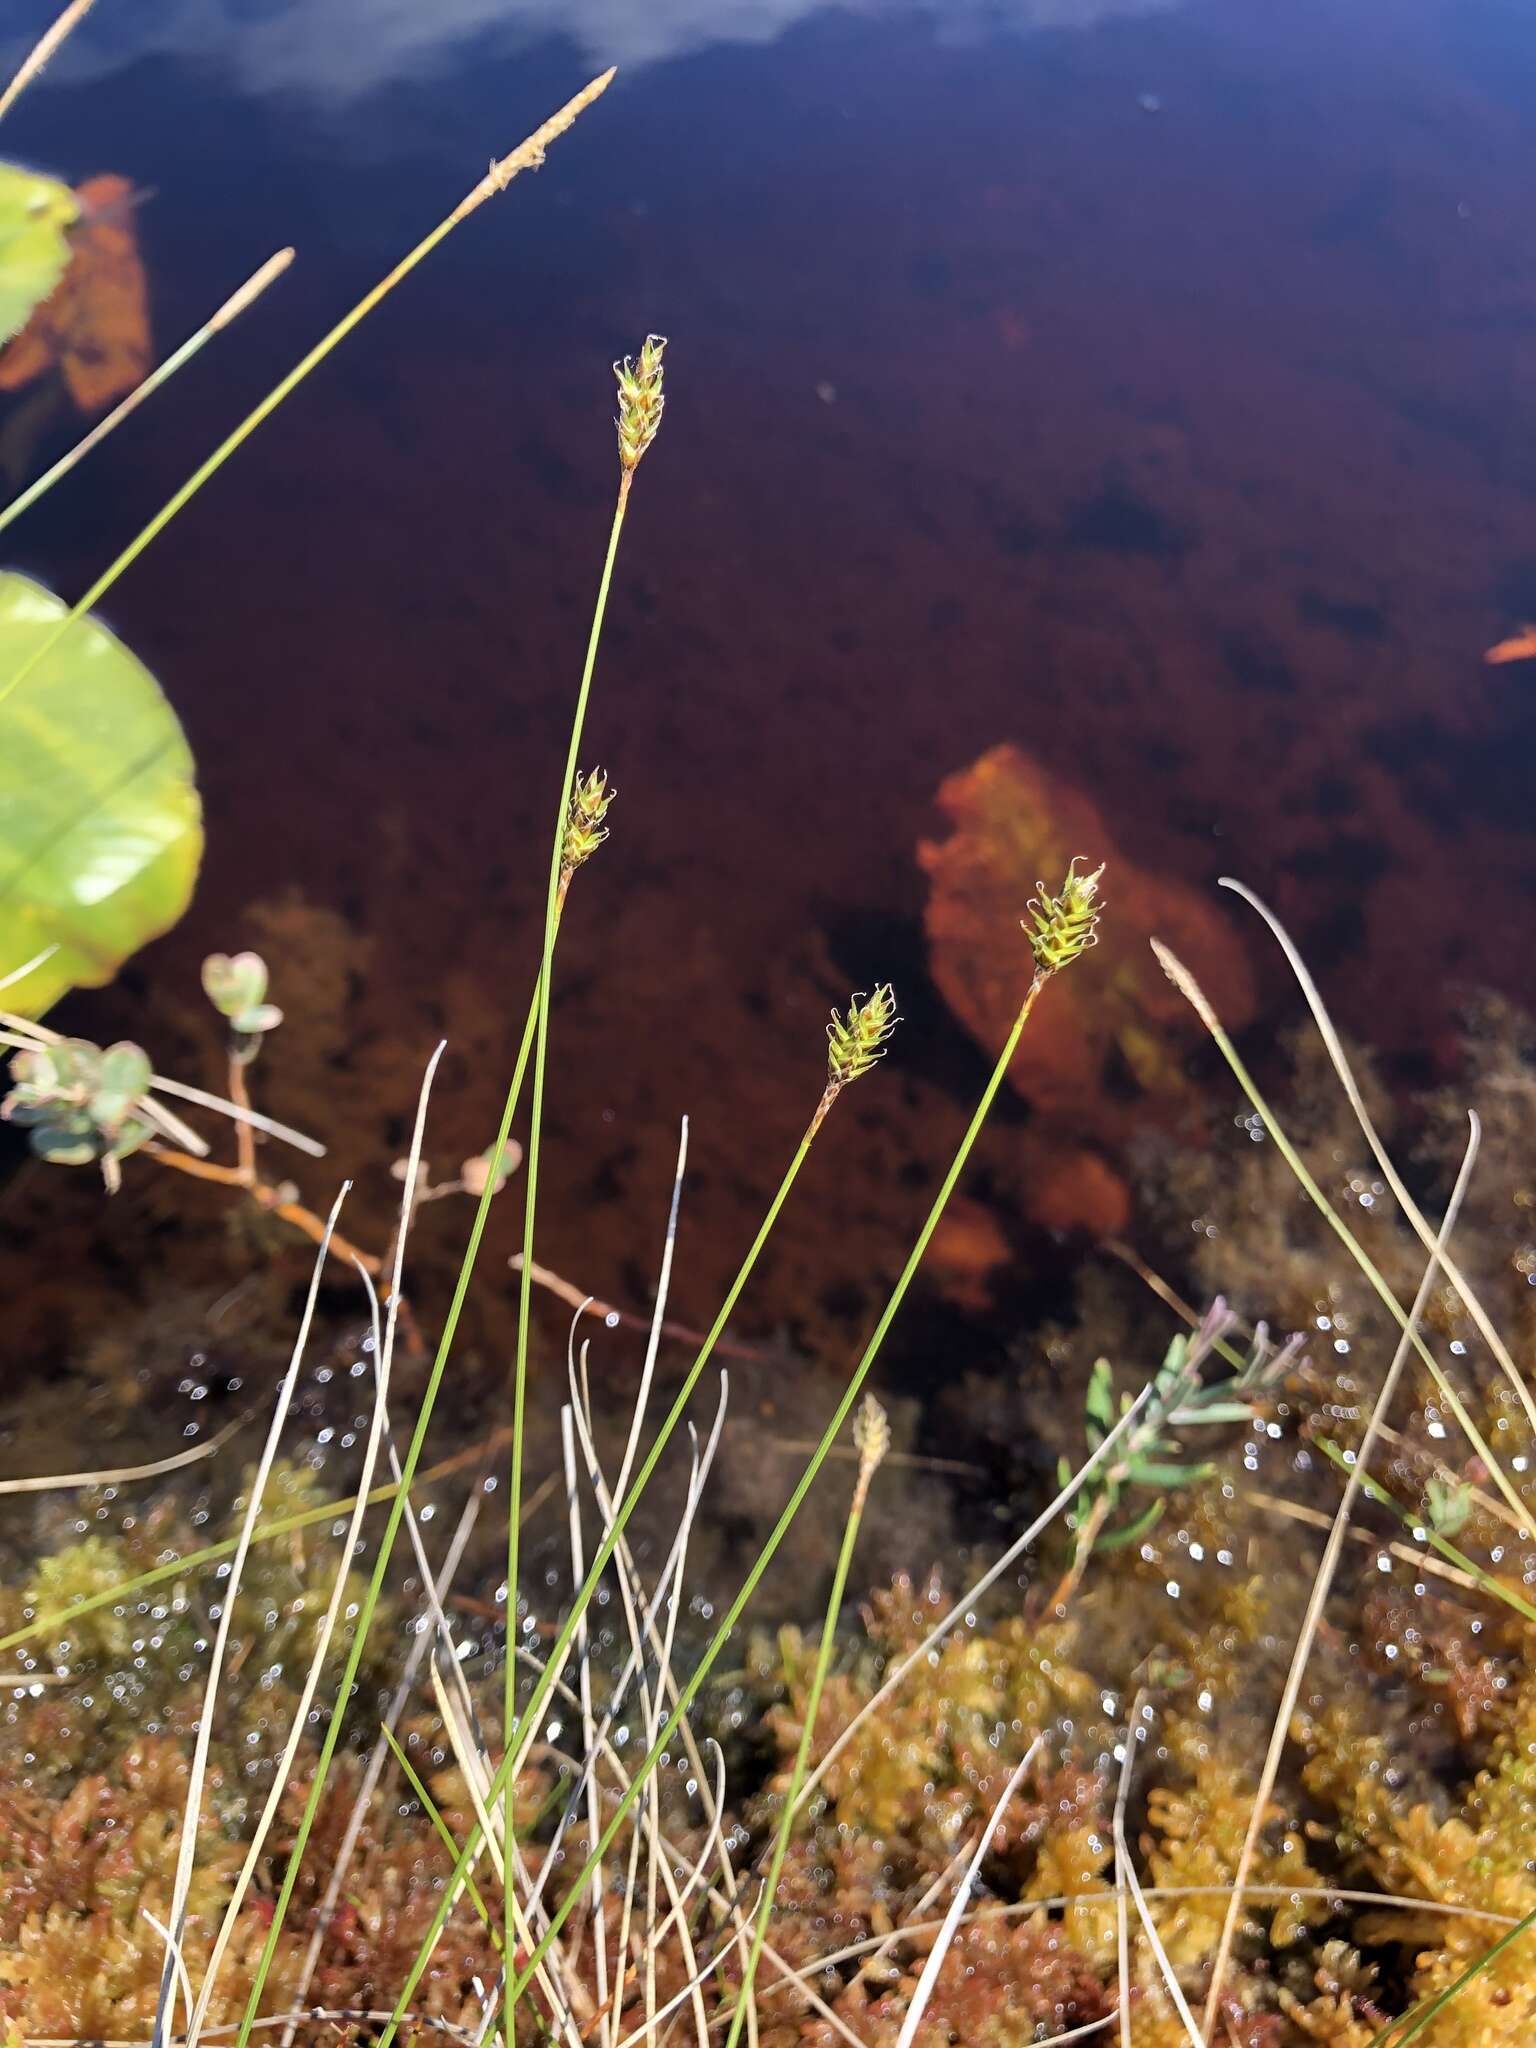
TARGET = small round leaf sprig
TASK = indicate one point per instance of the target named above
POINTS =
(80, 1104)
(856, 1041)
(641, 401)
(1063, 926)
(236, 985)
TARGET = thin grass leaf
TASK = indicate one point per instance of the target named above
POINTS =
(869, 1458)
(1374, 1490)
(1421, 1225)
(1190, 989)
(444, 1832)
(186, 1848)
(232, 307)
(1322, 1585)
(383, 1356)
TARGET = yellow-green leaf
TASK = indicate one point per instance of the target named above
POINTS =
(100, 824)
(34, 213)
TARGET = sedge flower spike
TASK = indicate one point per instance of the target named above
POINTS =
(1061, 927)
(871, 1434)
(641, 401)
(856, 1041)
(584, 829)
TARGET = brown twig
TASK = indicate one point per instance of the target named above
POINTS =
(1082, 1550)
(574, 1297)
(265, 1197)
(245, 1137)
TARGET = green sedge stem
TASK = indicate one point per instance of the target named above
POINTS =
(381, 1564)
(552, 903)
(526, 155)
(580, 1883)
(802, 1755)
(781, 1529)
(445, 1833)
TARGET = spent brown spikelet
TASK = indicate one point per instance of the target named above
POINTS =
(641, 400)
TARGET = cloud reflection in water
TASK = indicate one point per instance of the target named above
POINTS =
(341, 49)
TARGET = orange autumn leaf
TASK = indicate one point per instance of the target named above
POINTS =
(1014, 819)
(1519, 646)
(95, 323)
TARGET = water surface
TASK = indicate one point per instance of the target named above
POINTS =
(1147, 386)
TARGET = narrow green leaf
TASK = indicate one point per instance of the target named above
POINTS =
(1496, 1588)
(1165, 1472)
(1209, 1412)
(1099, 1404)
(1117, 1539)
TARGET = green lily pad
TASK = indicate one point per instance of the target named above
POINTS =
(100, 823)
(34, 213)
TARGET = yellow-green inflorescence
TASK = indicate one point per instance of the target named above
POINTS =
(641, 400)
(584, 829)
(1061, 927)
(856, 1041)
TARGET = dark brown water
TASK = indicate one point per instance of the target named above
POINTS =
(1153, 391)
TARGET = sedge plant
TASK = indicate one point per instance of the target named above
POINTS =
(579, 831)
(1060, 927)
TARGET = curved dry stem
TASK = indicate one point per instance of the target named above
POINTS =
(40, 52)
(122, 1475)
(918, 2003)
(1195, 996)
(1421, 1225)
(1322, 1585)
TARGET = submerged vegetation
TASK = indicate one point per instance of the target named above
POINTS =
(1147, 1776)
